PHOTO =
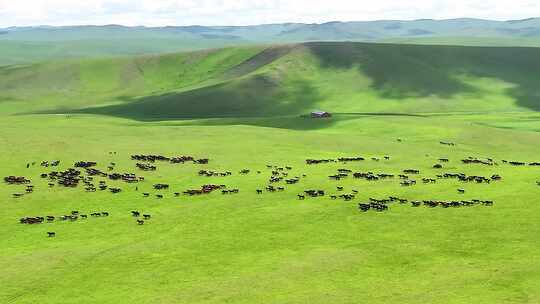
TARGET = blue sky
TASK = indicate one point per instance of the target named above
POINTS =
(249, 12)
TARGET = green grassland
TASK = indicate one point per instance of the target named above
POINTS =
(240, 108)
(26, 52)
(281, 80)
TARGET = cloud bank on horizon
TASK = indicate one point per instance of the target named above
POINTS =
(250, 12)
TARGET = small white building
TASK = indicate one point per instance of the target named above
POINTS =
(320, 114)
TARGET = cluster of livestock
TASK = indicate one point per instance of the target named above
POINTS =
(146, 167)
(137, 215)
(205, 189)
(471, 178)
(517, 163)
(380, 205)
(342, 160)
(491, 162)
(445, 143)
(16, 180)
(45, 163)
(280, 177)
(74, 216)
(173, 160)
(210, 173)
(474, 160)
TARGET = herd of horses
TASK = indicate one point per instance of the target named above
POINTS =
(94, 179)
(76, 216)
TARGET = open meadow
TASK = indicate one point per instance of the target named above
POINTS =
(423, 187)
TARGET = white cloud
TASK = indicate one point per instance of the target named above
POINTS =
(242, 12)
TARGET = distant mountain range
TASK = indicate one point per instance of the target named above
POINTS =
(28, 44)
(291, 32)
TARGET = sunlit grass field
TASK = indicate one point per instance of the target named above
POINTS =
(248, 248)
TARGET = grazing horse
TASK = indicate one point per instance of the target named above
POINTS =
(140, 222)
(147, 216)
(364, 207)
(51, 234)
(411, 171)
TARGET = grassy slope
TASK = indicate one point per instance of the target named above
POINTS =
(83, 83)
(25, 52)
(286, 80)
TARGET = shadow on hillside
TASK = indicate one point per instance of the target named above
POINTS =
(286, 122)
(290, 123)
(257, 96)
(403, 71)
(259, 60)
(397, 72)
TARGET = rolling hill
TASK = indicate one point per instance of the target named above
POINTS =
(341, 77)
(31, 44)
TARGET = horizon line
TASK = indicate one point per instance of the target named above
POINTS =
(267, 24)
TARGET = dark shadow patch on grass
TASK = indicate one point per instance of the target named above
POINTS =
(382, 114)
(259, 60)
(7, 99)
(396, 71)
(404, 71)
(507, 127)
(256, 96)
(300, 123)
(284, 122)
